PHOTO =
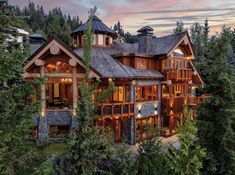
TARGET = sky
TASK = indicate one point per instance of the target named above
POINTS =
(161, 15)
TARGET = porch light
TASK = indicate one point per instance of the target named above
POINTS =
(110, 79)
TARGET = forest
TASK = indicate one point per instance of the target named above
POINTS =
(207, 144)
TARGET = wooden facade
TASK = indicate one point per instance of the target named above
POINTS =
(150, 90)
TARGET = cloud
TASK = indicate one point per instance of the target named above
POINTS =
(179, 10)
(160, 14)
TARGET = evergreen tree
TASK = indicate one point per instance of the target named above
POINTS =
(179, 27)
(150, 160)
(206, 30)
(123, 164)
(16, 111)
(187, 160)
(216, 117)
(197, 40)
(86, 146)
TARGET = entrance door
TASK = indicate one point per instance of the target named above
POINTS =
(117, 130)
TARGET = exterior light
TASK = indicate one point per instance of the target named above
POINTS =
(74, 112)
(110, 79)
(43, 113)
(155, 112)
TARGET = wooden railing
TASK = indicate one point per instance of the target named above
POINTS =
(176, 104)
(179, 74)
(115, 109)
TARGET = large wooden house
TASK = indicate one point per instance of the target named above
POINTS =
(153, 79)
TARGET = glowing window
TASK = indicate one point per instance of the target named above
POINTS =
(58, 66)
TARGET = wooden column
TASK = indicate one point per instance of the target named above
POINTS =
(43, 92)
(75, 90)
(41, 64)
(73, 63)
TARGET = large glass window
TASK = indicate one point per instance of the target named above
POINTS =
(146, 93)
(118, 94)
(59, 93)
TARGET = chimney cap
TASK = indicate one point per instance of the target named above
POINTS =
(145, 29)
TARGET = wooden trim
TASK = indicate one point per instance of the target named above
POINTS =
(55, 41)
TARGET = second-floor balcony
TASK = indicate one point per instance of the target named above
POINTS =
(179, 74)
(176, 104)
(116, 109)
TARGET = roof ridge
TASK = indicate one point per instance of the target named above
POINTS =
(181, 33)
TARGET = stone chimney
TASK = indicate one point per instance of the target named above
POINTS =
(145, 37)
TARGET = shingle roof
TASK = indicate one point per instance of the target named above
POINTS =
(36, 35)
(97, 26)
(107, 66)
(161, 45)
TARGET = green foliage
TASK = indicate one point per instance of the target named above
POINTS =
(123, 164)
(86, 146)
(45, 168)
(187, 160)
(17, 152)
(150, 160)
(216, 116)
(179, 27)
(53, 23)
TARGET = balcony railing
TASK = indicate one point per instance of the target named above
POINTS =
(115, 109)
(176, 104)
(179, 74)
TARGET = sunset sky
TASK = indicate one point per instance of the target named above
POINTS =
(159, 14)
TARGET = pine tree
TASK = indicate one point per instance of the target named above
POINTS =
(197, 40)
(216, 117)
(86, 146)
(179, 27)
(150, 160)
(123, 164)
(16, 112)
(187, 160)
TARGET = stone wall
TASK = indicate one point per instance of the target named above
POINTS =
(53, 117)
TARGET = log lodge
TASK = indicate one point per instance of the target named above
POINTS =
(154, 78)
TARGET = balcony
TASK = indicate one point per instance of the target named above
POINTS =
(176, 104)
(179, 74)
(115, 110)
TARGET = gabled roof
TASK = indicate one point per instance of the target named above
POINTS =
(97, 26)
(164, 45)
(161, 45)
(46, 46)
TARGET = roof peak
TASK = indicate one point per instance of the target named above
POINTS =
(95, 18)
